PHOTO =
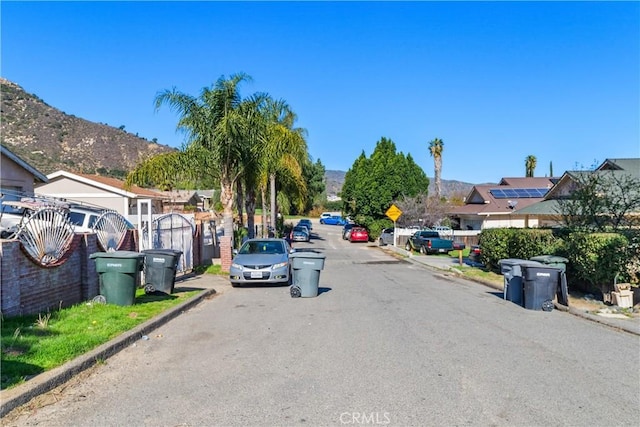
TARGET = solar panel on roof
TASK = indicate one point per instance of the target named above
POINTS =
(518, 193)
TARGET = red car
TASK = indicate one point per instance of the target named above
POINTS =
(358, 234)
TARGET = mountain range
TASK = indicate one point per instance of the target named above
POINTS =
(50, 140)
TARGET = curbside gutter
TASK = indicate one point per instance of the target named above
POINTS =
(629, 326)
(21, 394)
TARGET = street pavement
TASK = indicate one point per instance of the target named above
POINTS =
(213, 286)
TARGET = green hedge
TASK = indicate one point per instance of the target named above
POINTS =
(523, 243)
(594, 258)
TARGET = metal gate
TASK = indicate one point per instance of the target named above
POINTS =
(172, 231)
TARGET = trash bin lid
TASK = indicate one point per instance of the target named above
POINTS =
(307, 254)
(548, 259)
(518, 261)
(116, 254)
(174, 252)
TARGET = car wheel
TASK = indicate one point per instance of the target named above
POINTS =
(423, 250)
(408, 247)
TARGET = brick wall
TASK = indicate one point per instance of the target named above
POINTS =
(29, 288)
(225, 253)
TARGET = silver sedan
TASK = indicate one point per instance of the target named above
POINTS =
(261, 261)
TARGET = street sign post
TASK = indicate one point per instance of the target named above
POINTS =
(394, 213)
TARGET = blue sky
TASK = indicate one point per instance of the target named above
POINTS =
(496, 81)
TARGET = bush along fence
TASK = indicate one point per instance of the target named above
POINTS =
(595, 259)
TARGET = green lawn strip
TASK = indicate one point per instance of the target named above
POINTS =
(35, 344)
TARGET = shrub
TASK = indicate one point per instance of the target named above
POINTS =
(595, 259)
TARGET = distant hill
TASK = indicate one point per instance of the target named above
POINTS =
(50, 139)
(335, 179)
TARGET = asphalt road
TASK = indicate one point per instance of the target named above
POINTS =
(387, 342)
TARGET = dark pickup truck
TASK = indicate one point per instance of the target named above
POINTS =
(430, 242)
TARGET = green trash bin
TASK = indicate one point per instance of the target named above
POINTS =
(160, 267)
(306, 273)
(552, 261)
(119, 275)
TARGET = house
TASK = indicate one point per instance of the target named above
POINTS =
(17, 177)
(181, 201)
(102, 191)
(207, 199)
(546, 212)
(495, 205)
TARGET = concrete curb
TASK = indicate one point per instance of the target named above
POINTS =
(47, 381)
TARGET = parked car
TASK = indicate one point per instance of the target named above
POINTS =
(264, 261)
(306, 222)
(300, 234)
(386, 237)
(428, 242)
(333, 220)
(474, 254)
(346, 229)
(358, 234)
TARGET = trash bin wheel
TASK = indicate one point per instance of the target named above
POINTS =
(99, 299)
(149, 289)
(295, 292)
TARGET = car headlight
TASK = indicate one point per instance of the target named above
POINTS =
(279, 265)
(238, 266)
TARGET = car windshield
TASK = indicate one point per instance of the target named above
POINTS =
(262, 247)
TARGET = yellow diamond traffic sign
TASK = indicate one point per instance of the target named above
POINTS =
(393, 213)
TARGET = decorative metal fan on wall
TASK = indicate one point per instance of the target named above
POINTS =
(46, 234)
(111, 229)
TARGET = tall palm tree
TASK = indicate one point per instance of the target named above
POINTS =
(216, 131)
(284, 150)
(436, 147)
(530, 165)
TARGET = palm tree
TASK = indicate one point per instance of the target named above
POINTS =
(530, 165)
(216, 131)
(284, 150)
(435, 148)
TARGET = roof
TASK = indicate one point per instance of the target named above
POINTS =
(37, 175)
(481, 200)
(629, 165)
(107, 183)
(180, 196)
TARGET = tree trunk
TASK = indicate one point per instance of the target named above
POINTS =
(438, 171)
(239, 203)
(250, 204)
(272, 182)
(226, 198)
(264, 211)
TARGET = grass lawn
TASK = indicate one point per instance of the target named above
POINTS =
(35, 344)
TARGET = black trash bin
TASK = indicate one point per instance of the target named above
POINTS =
(160, 267)
(511, 269)
(540, 287)
(119, 275)
(306, 273)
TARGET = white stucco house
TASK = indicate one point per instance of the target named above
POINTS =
(96, 190)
